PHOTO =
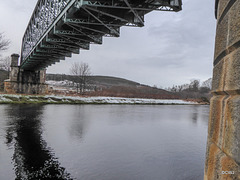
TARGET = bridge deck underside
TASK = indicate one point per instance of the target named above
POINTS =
(55, 31)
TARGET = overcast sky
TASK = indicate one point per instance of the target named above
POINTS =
(172, 48)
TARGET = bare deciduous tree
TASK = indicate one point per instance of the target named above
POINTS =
(207, 83)
(5, 64)
(82, 72)
(3, 42)
(194, 85)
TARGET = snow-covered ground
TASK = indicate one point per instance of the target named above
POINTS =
(59, 83)
(63, 86)
(5, 98)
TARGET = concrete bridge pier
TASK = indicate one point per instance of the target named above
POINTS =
(223, 146)
(25, 82)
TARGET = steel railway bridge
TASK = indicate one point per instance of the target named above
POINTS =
(59, 28)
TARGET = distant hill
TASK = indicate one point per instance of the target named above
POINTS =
(106, 81)
(117, 87)
(109, 81)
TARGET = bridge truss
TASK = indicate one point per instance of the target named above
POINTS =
(59, 28)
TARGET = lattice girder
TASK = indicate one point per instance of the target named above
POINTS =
(59, 28)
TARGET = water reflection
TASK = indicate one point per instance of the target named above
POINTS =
(32, 158)
(103, 142)
(195, 114)
(200, 113)
(79, 121)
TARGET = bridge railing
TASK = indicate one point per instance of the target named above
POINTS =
(45, 13)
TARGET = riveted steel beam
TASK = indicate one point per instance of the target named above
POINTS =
(97, 40)
(98, 22)
(108, 14)
(140, 19)
(112, 30)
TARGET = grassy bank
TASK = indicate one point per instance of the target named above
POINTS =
(51, 99)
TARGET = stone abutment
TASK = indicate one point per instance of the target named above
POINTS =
(25, 82)
(223, 146)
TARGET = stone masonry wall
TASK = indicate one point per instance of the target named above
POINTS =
(25, 82)
(223, 146)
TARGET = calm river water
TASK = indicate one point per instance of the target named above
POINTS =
(103, 142)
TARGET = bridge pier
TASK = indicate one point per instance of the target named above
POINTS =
(25, 82)
(223, 146)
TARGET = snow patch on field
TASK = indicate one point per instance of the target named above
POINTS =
(59, 83)
(74, 99)
(4, 99)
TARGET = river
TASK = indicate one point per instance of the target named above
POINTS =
(103, 142)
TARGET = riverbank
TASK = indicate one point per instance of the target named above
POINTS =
(53, 99)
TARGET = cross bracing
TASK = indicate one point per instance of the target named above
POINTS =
(59, 28)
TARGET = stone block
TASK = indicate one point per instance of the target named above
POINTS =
(232, 73)
(10, 87)
(222, 4)
(234, 24)
(43, 76)
(218, 77)
(14, 74)
(231, 144)
(218, 162)
(217, 121)
(14, 60)
(221, 37)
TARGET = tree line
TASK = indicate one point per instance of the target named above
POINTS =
(195, 89)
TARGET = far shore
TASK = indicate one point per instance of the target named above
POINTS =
(60, 99)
